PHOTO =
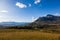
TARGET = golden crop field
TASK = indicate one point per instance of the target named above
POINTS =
(16, 34)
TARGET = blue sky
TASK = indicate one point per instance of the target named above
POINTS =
(27, 10)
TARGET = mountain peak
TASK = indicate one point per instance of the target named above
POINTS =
(49, 15)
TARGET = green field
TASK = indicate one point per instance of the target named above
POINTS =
(16, 34)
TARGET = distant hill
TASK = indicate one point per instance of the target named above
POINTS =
(13, 23)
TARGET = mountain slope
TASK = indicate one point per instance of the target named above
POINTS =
(47, 22)
(49, 19)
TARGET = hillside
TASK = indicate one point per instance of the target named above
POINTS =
(47, 22)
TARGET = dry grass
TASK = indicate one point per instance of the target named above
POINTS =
(13, 34)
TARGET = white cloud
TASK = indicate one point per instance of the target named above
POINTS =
(3, 11)
(21, 5)
(30, 5)
(37, 1)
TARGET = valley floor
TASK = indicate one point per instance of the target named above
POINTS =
(16, 34)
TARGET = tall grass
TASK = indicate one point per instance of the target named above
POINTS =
(15, 34)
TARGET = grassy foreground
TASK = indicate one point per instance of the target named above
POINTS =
(15, 34)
